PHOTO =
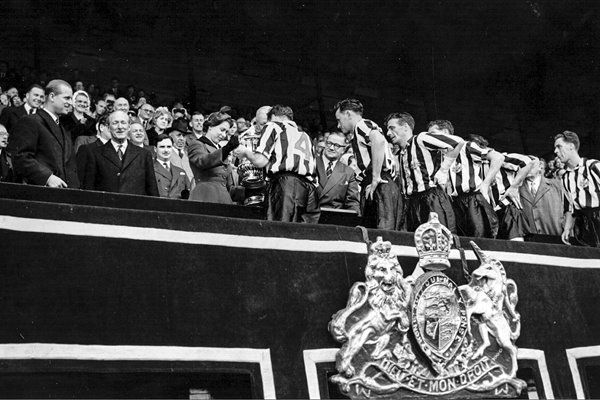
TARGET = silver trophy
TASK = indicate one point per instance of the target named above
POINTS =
(251, 177)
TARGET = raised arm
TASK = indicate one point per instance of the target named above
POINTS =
(496, 159)
(513, 191)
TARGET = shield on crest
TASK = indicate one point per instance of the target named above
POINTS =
(438, 317)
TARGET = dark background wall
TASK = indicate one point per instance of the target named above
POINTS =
(517, 72)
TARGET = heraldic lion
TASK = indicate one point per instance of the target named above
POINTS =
(375, 310)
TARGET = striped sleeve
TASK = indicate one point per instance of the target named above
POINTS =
(515, 161)
(595, 171)
(268, 138)
(438, 142)
(364, 128)
(477, 152)
(361, 144)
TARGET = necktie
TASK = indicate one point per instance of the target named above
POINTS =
(32, 111)
(166, 164)
(329, 169)
(120, 152)
(532, 188)
(180, 153)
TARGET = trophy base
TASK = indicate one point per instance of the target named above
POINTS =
(254, 200)
(254, 183)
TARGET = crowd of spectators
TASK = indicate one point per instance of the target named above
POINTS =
(71, 135)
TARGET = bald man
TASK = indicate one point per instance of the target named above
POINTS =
(259, 122)
(121, 104)
(118, 166)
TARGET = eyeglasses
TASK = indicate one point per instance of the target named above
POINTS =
(334, 145)
(148, 110)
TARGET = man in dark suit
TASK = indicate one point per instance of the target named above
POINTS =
(337, 183)
(42, 150)
(84, 145)
(171, 180)
(34, 98)
(118, 166)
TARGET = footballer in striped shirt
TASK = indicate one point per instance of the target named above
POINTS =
(581, 182)
(289, 157)
(505, 195)
(475, 216)
(425, 161)
(380, 198)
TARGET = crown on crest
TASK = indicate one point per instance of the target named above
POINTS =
(381, 249)
(433, 242)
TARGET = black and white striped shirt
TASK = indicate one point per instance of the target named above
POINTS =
(361, 145)
(582, 184)
(288, 149)
(421, 159)
(465, 173)
(513, 162)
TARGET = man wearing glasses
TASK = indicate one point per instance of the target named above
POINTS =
(145, 114)
(337, 183)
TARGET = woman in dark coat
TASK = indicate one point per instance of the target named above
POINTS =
(212, 170)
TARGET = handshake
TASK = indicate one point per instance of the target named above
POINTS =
(234, 146)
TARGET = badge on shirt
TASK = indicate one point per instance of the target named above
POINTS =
(583, 183)
(415, 164)
(456, 168)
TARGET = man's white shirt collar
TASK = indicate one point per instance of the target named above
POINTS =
(163, 163)
(116, 145)
(327, 160)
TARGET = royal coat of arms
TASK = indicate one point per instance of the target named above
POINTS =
(423, 334)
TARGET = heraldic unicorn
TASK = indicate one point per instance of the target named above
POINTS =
(424, 335)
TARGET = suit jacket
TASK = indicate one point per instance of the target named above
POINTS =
(10, 116)
(6, 168)
(544, 211)
(134, 175)
(76, 128)
(171, 183)
(190, 138)
(183, 163)
(84, 141)
(41, 148)
(340, 190)
(84, 146)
